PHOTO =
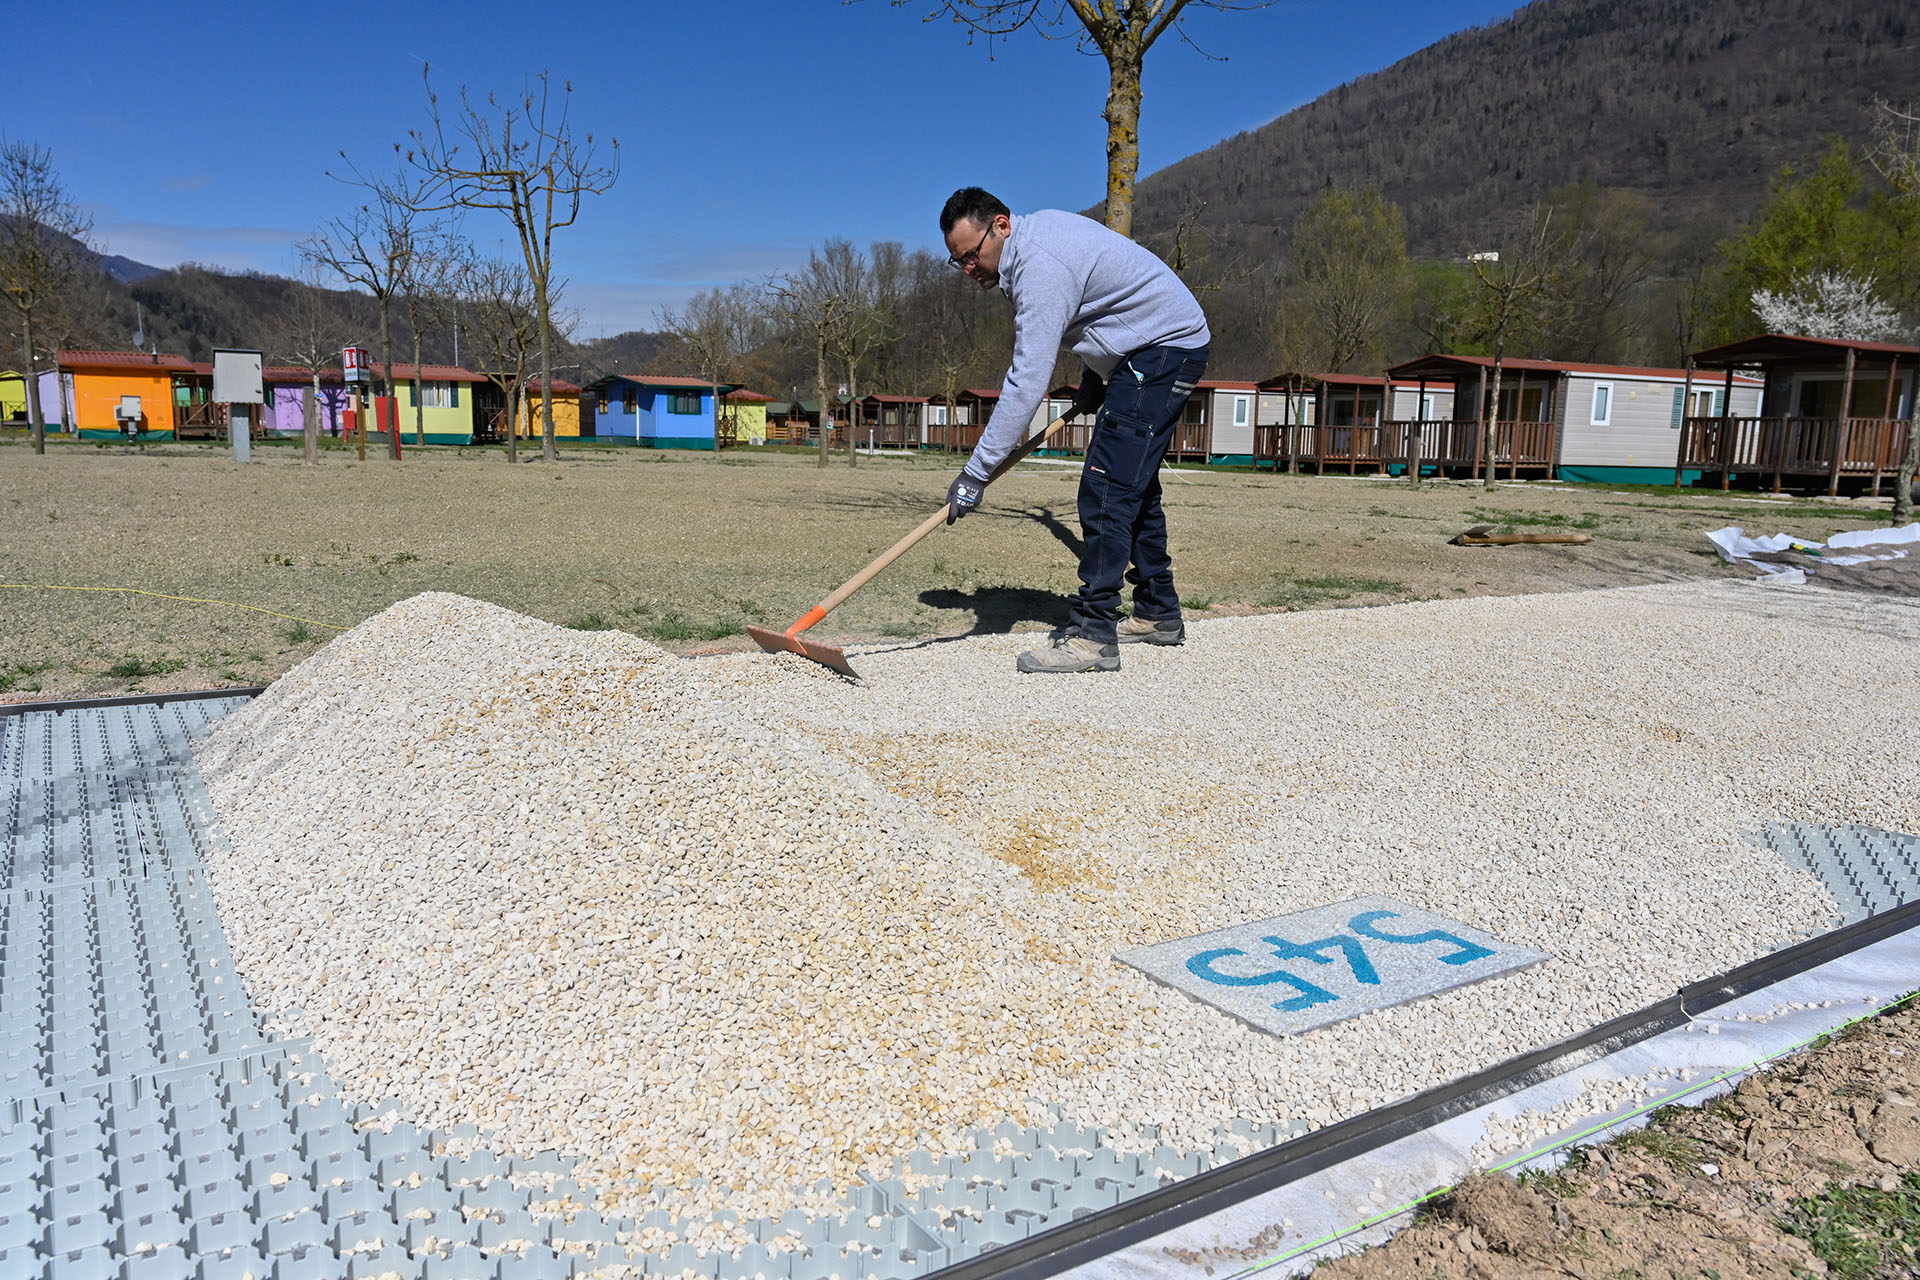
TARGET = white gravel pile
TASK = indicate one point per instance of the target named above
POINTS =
(731, 919)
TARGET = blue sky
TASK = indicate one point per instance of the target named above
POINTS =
(749, 129)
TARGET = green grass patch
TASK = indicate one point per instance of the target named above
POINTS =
(1508, 521)
(591, 622)
(1683, 1154)
(134, 667)
(1307, 592)
(677, 628)
(1861, 1232)
(300, 633)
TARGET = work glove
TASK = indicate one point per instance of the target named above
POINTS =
(1089, 395)
(963, 495)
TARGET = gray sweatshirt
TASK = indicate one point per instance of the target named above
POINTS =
(1072, 280)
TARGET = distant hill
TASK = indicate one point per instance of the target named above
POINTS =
(1696, 103)
(126, 270)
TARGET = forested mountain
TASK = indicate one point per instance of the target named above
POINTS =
(1695, 103)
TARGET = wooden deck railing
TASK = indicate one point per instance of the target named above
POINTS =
(1781, 447)
(1445, 444)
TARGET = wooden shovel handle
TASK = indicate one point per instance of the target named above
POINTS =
(927, 526)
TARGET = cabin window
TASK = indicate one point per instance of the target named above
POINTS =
(629, 400)
(938, 414)
(1241, 410)
(1602, 404)
(436, 395)
(684, 402)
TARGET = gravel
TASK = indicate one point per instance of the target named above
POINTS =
(736, 919)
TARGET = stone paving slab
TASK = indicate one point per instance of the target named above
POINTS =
(1292, 973)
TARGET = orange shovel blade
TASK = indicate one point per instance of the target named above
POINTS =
(781, 642)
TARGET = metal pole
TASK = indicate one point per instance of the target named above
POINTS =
(240, 432)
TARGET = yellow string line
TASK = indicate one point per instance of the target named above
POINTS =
(161, 595)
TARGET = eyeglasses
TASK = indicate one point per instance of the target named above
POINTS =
(972, 256)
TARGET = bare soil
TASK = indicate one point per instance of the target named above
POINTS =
(687, 549)
(1807, 1169)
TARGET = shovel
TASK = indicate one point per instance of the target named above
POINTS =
(791, 641)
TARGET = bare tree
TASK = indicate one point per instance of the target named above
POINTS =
(309, 339)
(1896, 146)
(373, 248)
(43, 251)
(1351, 274)
(1602, 258)
(519, 158)
(1512, 285)
(426, 291)
(713, 327)
(498, 300)
(867, 320)
(1122, 31)
(817, 311)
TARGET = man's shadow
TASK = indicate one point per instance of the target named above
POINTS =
(999, 610)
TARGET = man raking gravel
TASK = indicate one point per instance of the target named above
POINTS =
(1143, 341)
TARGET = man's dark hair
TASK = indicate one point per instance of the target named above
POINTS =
(975, 204)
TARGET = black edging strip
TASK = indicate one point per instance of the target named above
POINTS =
(1104, 1231)
(130, 700)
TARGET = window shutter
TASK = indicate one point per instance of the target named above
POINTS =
(1719, 402)
(1679, 403)
(454, 393)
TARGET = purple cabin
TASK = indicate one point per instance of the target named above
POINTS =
(284, 383)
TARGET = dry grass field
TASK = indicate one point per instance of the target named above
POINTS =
(685, 549)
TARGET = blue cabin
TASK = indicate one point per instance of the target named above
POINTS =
(652, 412)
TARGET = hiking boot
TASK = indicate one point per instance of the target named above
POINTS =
(1068, 651)
(1151, 631)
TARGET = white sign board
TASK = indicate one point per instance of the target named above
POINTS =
(236, 377)
(353, 365)
(1292, 973)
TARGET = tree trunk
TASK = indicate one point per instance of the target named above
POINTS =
(310, 422)
(1123, 135)
(1493, 424)
(547, 450)
(1909, 462)
(853, 420)
(36, 413)
(419, 410)
(386, 353)
(826, 401)
(513, 422)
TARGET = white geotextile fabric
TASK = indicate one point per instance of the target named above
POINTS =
(1736, 546)
(1366, 1199)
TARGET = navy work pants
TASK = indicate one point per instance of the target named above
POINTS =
(1121, 521)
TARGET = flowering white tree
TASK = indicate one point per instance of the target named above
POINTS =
(1830, 304)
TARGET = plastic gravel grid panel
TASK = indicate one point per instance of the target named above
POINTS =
(119, 1159)
(1866, 869)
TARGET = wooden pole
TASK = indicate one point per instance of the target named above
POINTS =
(1292, 427)
(1519, 416)
(1883, 438)
(1726, 437)
(1480, 423)
(1686, 427)
(359, 426)
(1840, 429)
(1353, 437)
